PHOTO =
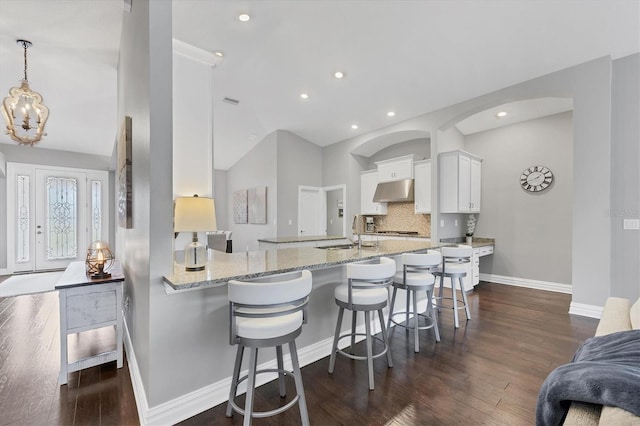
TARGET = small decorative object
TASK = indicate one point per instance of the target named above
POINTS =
(471, 227)
(536, 178)
(240, 212)
(99, 259)
(195, 214)
(22, 106)
(257, 204)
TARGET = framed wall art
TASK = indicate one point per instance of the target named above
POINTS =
(125, 170)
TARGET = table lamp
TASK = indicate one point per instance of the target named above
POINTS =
(99, 259)
(194, 214)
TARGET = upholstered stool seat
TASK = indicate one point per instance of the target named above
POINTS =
(416, 276)
(267, 312)
(455, 263)
(366, 290)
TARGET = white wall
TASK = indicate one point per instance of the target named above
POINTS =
(532, 230)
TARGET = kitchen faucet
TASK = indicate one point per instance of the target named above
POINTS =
(355, 227)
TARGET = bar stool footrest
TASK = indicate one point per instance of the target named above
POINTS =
(429, 325)
(363, 357)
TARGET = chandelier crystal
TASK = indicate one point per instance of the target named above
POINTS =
(23, 110)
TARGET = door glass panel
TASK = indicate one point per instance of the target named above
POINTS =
(96, 210)
(62, 218)
(22, 214)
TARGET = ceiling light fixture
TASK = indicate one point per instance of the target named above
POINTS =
(243, 17)
(219, 53)
(391, 114)
(354, 126)
(501, 114)
(20, 107)
(338, 74)
(304, 96)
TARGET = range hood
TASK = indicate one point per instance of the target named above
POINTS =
(396, 191)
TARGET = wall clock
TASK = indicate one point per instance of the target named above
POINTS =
(536, 178)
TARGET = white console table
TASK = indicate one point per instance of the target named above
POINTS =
(87, 304)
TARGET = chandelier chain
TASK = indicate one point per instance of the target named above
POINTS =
(24, 45)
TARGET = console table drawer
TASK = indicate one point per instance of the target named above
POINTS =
(90, 308)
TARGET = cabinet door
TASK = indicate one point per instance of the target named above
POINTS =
(448, 183)
(368, 184)
(464, 180)
(395, 170)
(475, 185)
(422, 188)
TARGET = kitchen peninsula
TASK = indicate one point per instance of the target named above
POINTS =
(223, 267)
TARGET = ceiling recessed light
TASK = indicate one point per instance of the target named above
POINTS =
(391, 114)
(243, 17)
(501, 114)
(304, 95)
(354, 126)
(219, 53)
(338, 74)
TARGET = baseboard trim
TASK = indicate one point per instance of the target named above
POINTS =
(590, 311)
(4, 272)
(524, 282)
(186, 406)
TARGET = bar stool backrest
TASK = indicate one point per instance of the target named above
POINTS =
(421, 262)
(373, 273)
(268, 297)
(459, 254)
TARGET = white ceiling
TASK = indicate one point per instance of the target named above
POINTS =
(411, 57)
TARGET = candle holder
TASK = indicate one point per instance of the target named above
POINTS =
(99, 259)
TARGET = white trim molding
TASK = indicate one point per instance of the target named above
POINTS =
(525, 282)
(590, 311)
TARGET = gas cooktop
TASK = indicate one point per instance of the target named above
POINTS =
(399, 232)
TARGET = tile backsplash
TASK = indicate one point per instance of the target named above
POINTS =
(402, 217)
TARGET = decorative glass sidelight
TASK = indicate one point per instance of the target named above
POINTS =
(23, 248)
(62, 218)
(96, 210)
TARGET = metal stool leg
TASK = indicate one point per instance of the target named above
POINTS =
(281, 384)
(297, 376)
(464, 298)
(406, 308)
(354, 317)
(332, 359)
(454, 297)
(367, 323)
(431, 312)
(393, 302)
(234, 379)
(385, 338)
(416, 321)
(251, 384)
(441, 297)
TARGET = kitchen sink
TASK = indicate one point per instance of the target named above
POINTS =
(347, 246)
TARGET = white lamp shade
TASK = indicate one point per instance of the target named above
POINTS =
(194, 214)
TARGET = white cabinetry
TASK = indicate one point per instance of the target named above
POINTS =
(460, 176)
(395, 169)
(422, 186)
(368, 184)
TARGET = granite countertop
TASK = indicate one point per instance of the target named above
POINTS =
(223, 267)
(475, 242)
(296, 239)
(392, 234)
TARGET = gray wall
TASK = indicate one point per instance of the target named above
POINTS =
(299, 162)
(532, 230)
(257, 168)
(625, 177)
(221, 199)
(47, 157)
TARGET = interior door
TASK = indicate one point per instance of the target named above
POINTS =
(311, 216)
(53, 214)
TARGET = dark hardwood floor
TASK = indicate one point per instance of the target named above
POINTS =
(30, 362)
(486, 372)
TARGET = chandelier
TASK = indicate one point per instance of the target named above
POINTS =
(23, 109)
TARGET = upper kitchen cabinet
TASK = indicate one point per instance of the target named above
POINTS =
(395, 169)
(422, 186)
(368, 184)
(460, 176)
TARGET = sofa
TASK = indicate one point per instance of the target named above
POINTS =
(618, 315)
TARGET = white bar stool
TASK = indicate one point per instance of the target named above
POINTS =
(416, 275)
(267, 312)
(366, 290)
(455, 262)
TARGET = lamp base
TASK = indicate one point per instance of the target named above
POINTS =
(195, 257)
(100, 276)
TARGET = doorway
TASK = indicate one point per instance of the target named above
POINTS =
(53, 213)
(321, 210)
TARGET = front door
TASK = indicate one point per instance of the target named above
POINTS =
(54, 213)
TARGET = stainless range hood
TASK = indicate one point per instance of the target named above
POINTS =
(396, 191)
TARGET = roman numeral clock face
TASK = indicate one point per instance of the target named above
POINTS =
(536, 178)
